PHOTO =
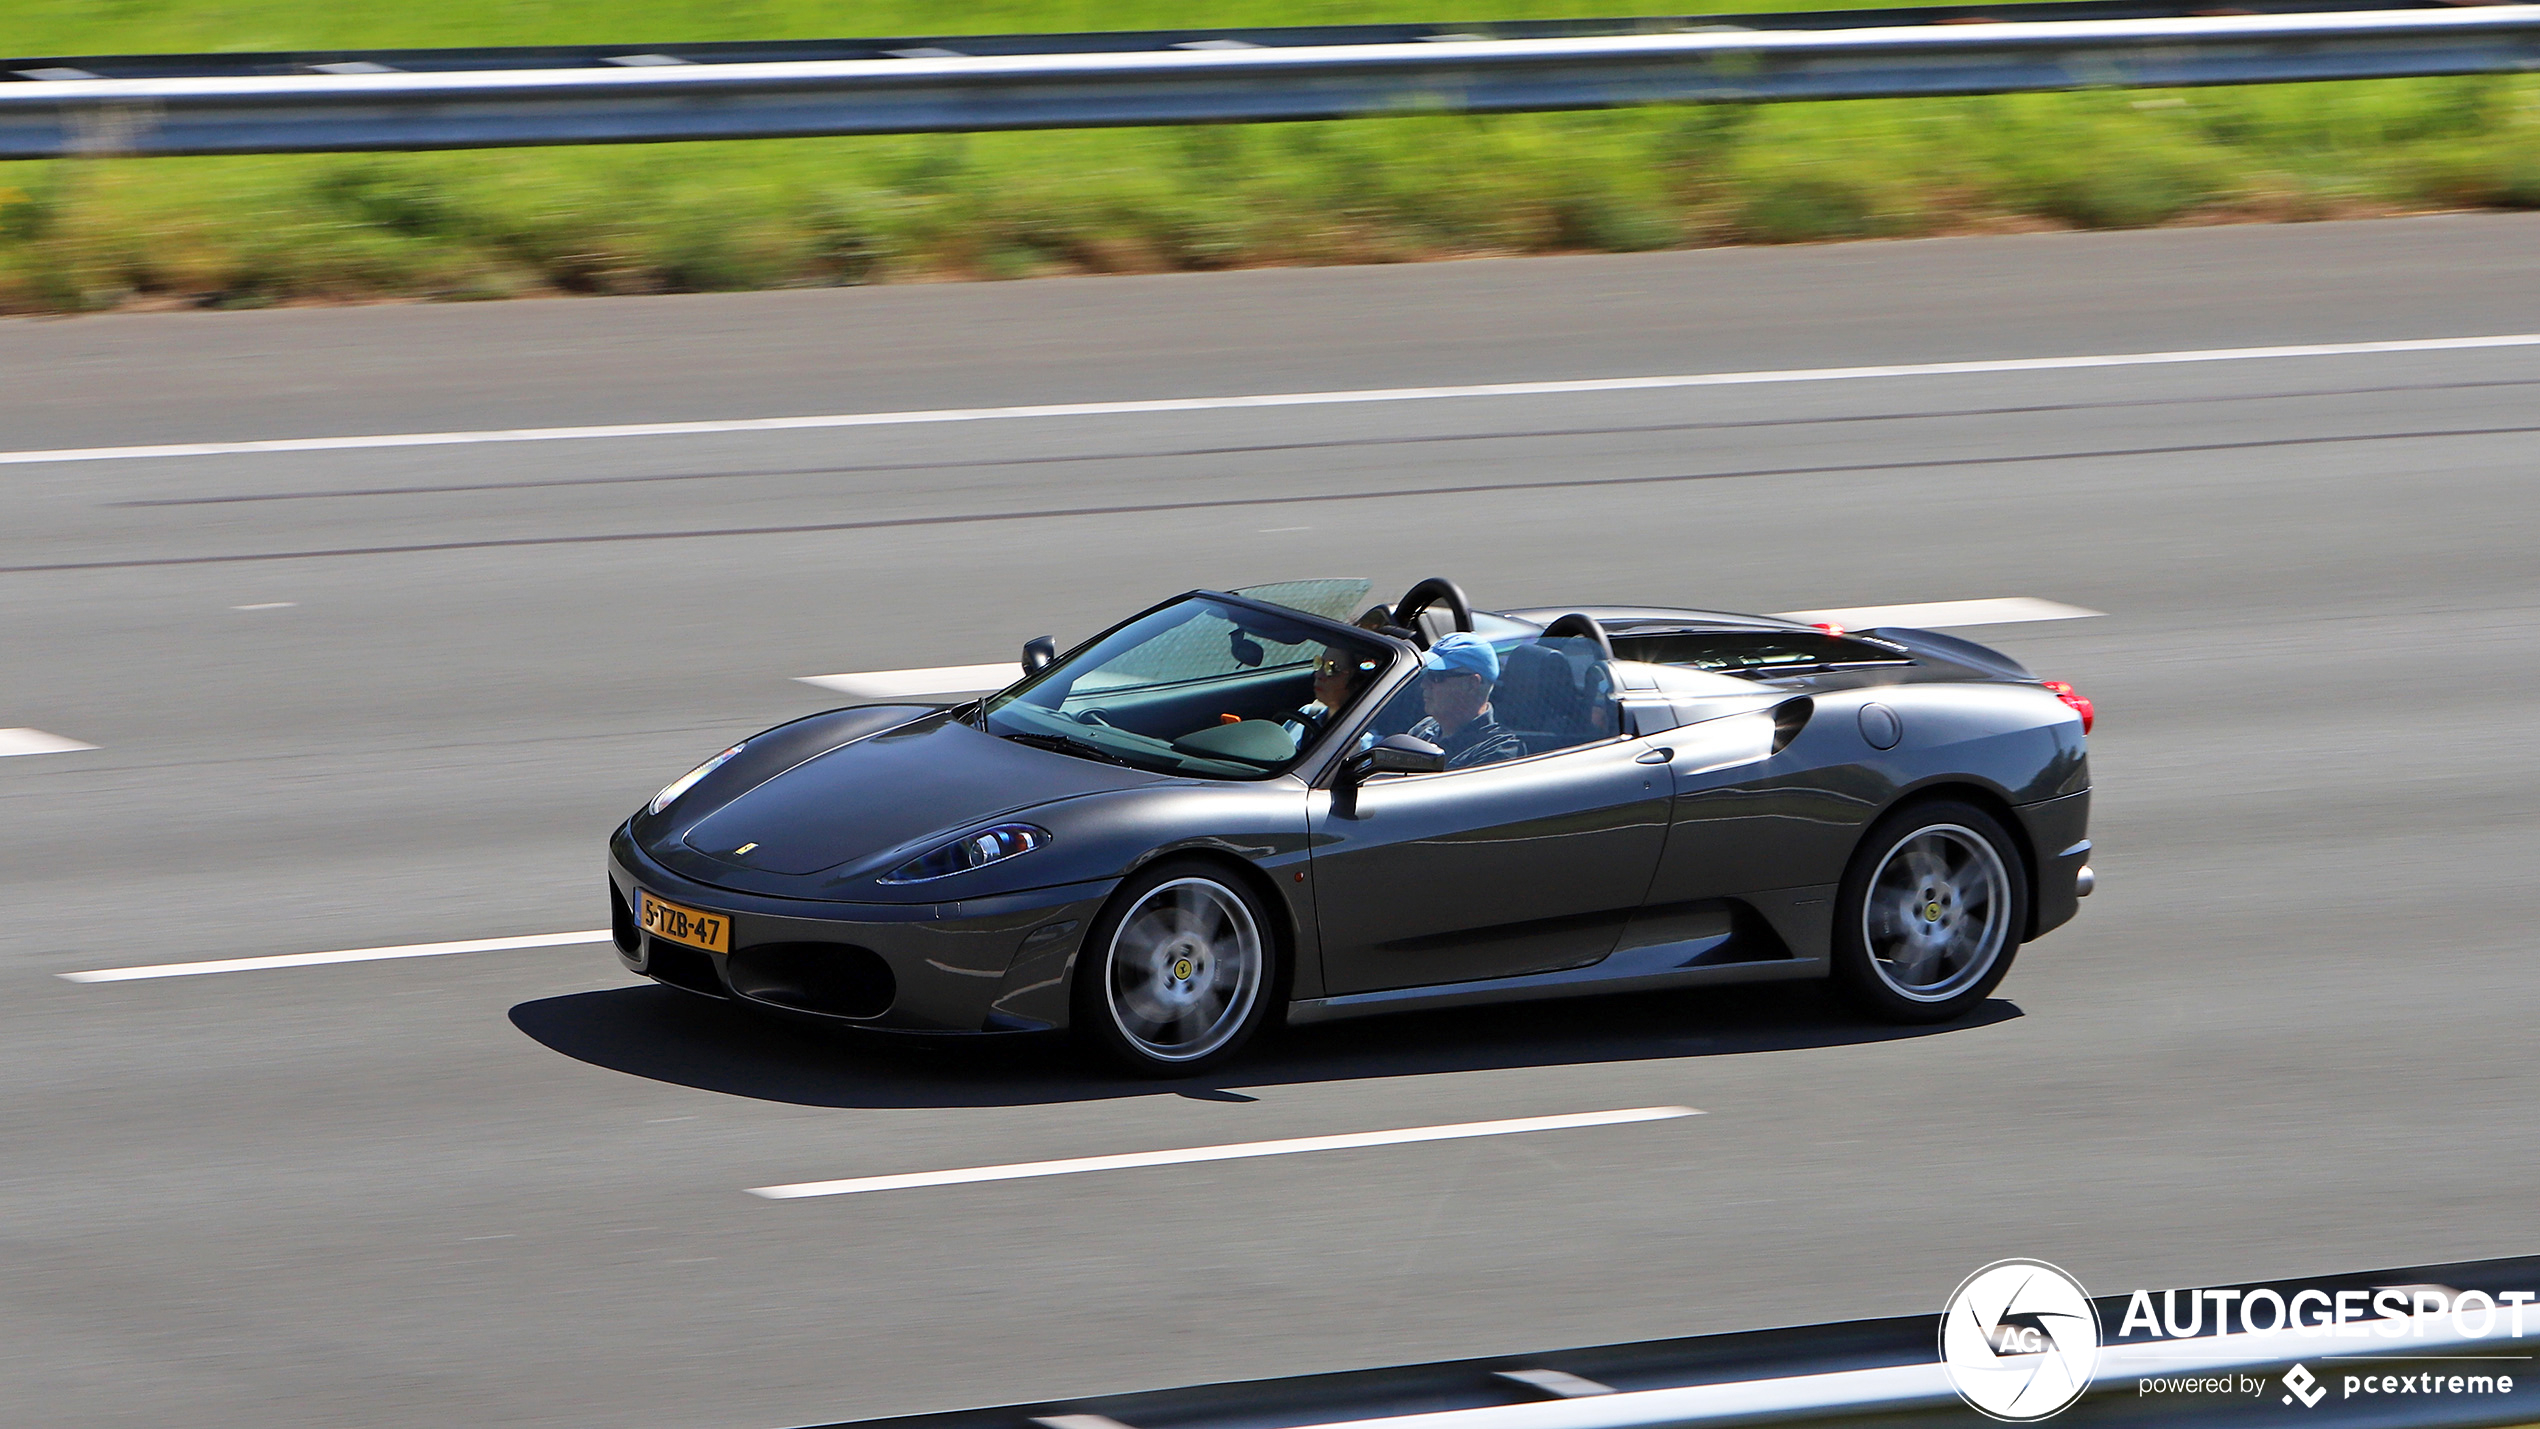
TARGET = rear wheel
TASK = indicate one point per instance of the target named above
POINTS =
(1178, 972)
(1931, 913)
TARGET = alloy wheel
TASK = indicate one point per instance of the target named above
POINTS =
(1185, 969)
(1937, 913)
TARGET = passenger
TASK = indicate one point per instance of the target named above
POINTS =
(1339, 677)
(1455, 684)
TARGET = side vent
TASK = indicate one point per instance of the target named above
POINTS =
(1789, 718)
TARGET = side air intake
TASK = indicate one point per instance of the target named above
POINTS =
(1789, 718)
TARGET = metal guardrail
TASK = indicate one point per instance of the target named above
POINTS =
(445, 99)
(179, 66)
(1876, 1371)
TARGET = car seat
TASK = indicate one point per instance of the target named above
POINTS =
(1537, 698)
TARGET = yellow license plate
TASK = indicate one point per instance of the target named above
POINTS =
(710, 931)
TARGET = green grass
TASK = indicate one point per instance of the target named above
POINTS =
(652, 218)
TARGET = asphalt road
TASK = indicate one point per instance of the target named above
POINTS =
(2292, 1033)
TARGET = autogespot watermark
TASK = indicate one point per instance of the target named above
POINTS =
(2300, 1386)
(2021, 1341)
(2391, 1312)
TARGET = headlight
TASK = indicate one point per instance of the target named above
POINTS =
(671, 791)
(971, 851)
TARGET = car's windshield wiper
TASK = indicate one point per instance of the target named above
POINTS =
(1067, 745)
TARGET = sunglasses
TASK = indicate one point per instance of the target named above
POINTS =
(1327, 665)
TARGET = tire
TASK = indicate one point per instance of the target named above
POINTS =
(1178, 973)
(1931, 913)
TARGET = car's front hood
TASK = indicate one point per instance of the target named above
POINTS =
(891, 794)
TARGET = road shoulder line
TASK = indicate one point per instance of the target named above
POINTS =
(1348, 397)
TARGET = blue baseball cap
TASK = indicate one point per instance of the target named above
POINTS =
(1463, 654)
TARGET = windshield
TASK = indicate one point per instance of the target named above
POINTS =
(1199, 687)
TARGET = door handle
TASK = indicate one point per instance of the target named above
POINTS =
(1656, 756)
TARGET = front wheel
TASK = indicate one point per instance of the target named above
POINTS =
(1931, 913)
(1178, 972)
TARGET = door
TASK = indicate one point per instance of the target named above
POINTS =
(1521, 867)
(1747, 819)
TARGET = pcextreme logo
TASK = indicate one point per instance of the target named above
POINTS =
(2020, 1339)
(2304, 1386)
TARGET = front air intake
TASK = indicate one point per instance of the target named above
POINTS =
(622, 929)
(830, 979)
(681, 967)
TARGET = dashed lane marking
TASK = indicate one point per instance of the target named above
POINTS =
(979, 679)
(1236, 1152)
(1261, 400)
(36, 741)
(896, 684)
(346, 955)
(1940, 614)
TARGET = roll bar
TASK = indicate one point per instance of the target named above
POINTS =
(1584, 626)
(1406, 612)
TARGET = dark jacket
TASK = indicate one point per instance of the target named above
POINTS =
(1481, 741)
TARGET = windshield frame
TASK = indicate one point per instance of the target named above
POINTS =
(1401, 655)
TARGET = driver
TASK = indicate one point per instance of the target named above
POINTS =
(1456, 678)
(1339, 676)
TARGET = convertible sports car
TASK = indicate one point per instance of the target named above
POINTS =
(1237, 807)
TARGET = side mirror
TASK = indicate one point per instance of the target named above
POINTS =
(1394, 754)
(1037, 653)
(1398, 754)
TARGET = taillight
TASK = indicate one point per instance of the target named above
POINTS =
(2075, 698)
(1829, 627)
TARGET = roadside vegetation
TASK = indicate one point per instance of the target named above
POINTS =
(102, 233)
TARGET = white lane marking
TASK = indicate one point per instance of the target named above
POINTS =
(1235, 1152)
(1559, 1383)
(347, 955)
(1937, 614)
(1267, 399)
(268, 605)
(977, 679)
(894, 684)
(36, 741)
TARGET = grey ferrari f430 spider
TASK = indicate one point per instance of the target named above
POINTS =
(1236, 808)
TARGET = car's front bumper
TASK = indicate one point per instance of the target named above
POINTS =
(980, 965)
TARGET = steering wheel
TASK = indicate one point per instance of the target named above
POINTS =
(1584, 626)
(1406, 612)
(1095, 718)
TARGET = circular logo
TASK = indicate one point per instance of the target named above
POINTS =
(2020, 1340)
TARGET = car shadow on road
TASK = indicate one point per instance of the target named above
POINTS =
(677, 1037)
